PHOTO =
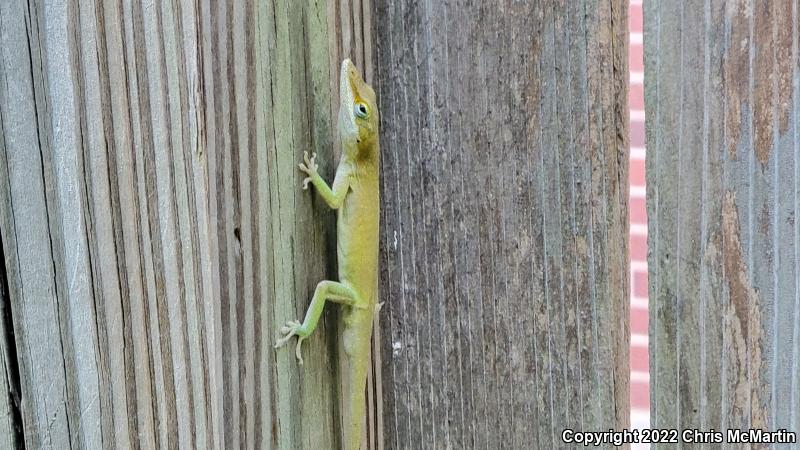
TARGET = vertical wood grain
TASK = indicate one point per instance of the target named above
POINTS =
(721, 89)
(155, 235)
(504, 227)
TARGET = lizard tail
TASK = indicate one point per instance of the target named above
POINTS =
(354, 367)
(355, 407)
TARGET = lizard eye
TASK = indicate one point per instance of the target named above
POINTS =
(361, 110)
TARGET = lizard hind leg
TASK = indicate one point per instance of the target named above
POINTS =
(326, 290)
(289, 330)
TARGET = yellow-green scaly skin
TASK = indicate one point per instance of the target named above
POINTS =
(356, 197)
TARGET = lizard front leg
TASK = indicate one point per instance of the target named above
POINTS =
(334, 197)
(326, 290)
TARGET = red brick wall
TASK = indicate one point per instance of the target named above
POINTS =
(640, 395)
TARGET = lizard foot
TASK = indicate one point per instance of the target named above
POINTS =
(292, 328)
(308, 166)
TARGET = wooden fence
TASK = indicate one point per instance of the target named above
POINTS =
(154, 234)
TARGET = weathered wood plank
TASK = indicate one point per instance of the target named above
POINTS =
(155, 236)
(504, 222)
(721, 87)
(31, 279)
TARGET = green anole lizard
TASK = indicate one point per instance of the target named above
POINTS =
(356, 198)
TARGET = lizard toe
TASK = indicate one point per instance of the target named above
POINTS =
(297, 353)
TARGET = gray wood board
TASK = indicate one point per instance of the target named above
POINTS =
(721, 84)
(504, 229)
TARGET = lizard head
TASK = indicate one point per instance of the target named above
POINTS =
(358, 112)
